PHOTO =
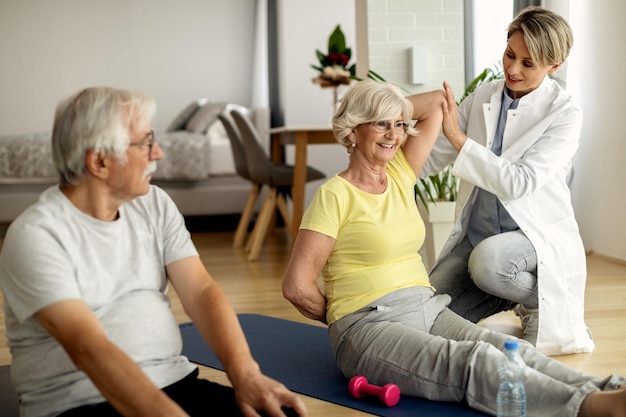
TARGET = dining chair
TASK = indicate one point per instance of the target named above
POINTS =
(278, 177)
(241, 168)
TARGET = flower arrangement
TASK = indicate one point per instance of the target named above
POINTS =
(333, 67)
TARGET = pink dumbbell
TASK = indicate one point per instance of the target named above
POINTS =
(389, 394)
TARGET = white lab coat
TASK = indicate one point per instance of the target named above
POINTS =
(529, 178)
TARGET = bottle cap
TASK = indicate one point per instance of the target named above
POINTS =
(511, 344)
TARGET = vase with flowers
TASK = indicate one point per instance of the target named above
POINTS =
(334, 67)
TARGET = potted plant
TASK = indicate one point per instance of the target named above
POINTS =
(436, 195)
(443, 185)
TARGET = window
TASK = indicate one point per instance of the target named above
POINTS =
(485, 34)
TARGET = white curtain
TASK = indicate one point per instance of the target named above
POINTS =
(561, 7)
(260, 82)
(518, 5)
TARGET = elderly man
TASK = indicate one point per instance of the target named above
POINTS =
(85, 272)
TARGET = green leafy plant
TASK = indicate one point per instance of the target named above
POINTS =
(443, 186)
(439, 187)
(488, 74)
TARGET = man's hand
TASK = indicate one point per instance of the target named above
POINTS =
(258, 392)
(214, 317)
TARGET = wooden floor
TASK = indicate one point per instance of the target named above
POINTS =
(255, 288)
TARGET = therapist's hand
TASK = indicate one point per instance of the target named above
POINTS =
(450, 124)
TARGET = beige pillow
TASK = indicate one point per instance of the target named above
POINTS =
(181, 120)
(204, 117)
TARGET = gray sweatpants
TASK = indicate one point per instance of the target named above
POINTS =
(410, 338)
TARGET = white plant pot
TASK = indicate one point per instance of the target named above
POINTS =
(439, 220)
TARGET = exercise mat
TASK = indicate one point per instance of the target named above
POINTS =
(299, 355)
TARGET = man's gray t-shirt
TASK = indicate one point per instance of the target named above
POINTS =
(55, 252)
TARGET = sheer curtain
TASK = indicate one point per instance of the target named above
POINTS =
(265, 76)
(518, 5)
(260, 81)
(479, 35)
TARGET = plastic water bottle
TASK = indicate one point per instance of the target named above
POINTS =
(511, 401)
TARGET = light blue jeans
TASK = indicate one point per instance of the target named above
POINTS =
(498, 273)
(411, 339)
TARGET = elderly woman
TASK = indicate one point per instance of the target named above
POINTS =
(384, 320)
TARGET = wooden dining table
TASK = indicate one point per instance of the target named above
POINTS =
(301, 137)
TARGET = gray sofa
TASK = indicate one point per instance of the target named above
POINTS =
(197, 170)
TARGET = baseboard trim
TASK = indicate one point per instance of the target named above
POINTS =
(607, 258)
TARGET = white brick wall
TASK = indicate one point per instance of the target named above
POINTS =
(394, 26)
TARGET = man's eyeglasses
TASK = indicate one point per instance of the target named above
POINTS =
(384, 126)
(149, 141)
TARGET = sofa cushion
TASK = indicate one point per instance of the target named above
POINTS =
(26, 155)
(204, 117)
(183, 117)
(186, 156)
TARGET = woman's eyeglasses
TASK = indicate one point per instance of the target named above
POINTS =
(384, 126)
(149, 141)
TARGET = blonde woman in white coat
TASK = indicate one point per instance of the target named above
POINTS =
(516, 243)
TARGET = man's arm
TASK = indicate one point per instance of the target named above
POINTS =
(207, 306)
(114, 373)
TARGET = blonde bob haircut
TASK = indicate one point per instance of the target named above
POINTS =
(96, 118)
(370, 101)
(547, 35)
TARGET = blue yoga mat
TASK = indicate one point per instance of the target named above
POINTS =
(299, 355)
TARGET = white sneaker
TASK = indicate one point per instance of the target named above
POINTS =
(530, 322)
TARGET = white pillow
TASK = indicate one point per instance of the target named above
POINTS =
(217, 133)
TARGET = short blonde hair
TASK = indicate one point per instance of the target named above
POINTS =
(547, 35)
(369, 101)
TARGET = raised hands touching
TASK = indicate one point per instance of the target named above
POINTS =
(450, 125)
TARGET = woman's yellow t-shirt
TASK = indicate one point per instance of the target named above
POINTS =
(377, 239)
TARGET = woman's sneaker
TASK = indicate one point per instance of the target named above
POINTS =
(530, 322)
